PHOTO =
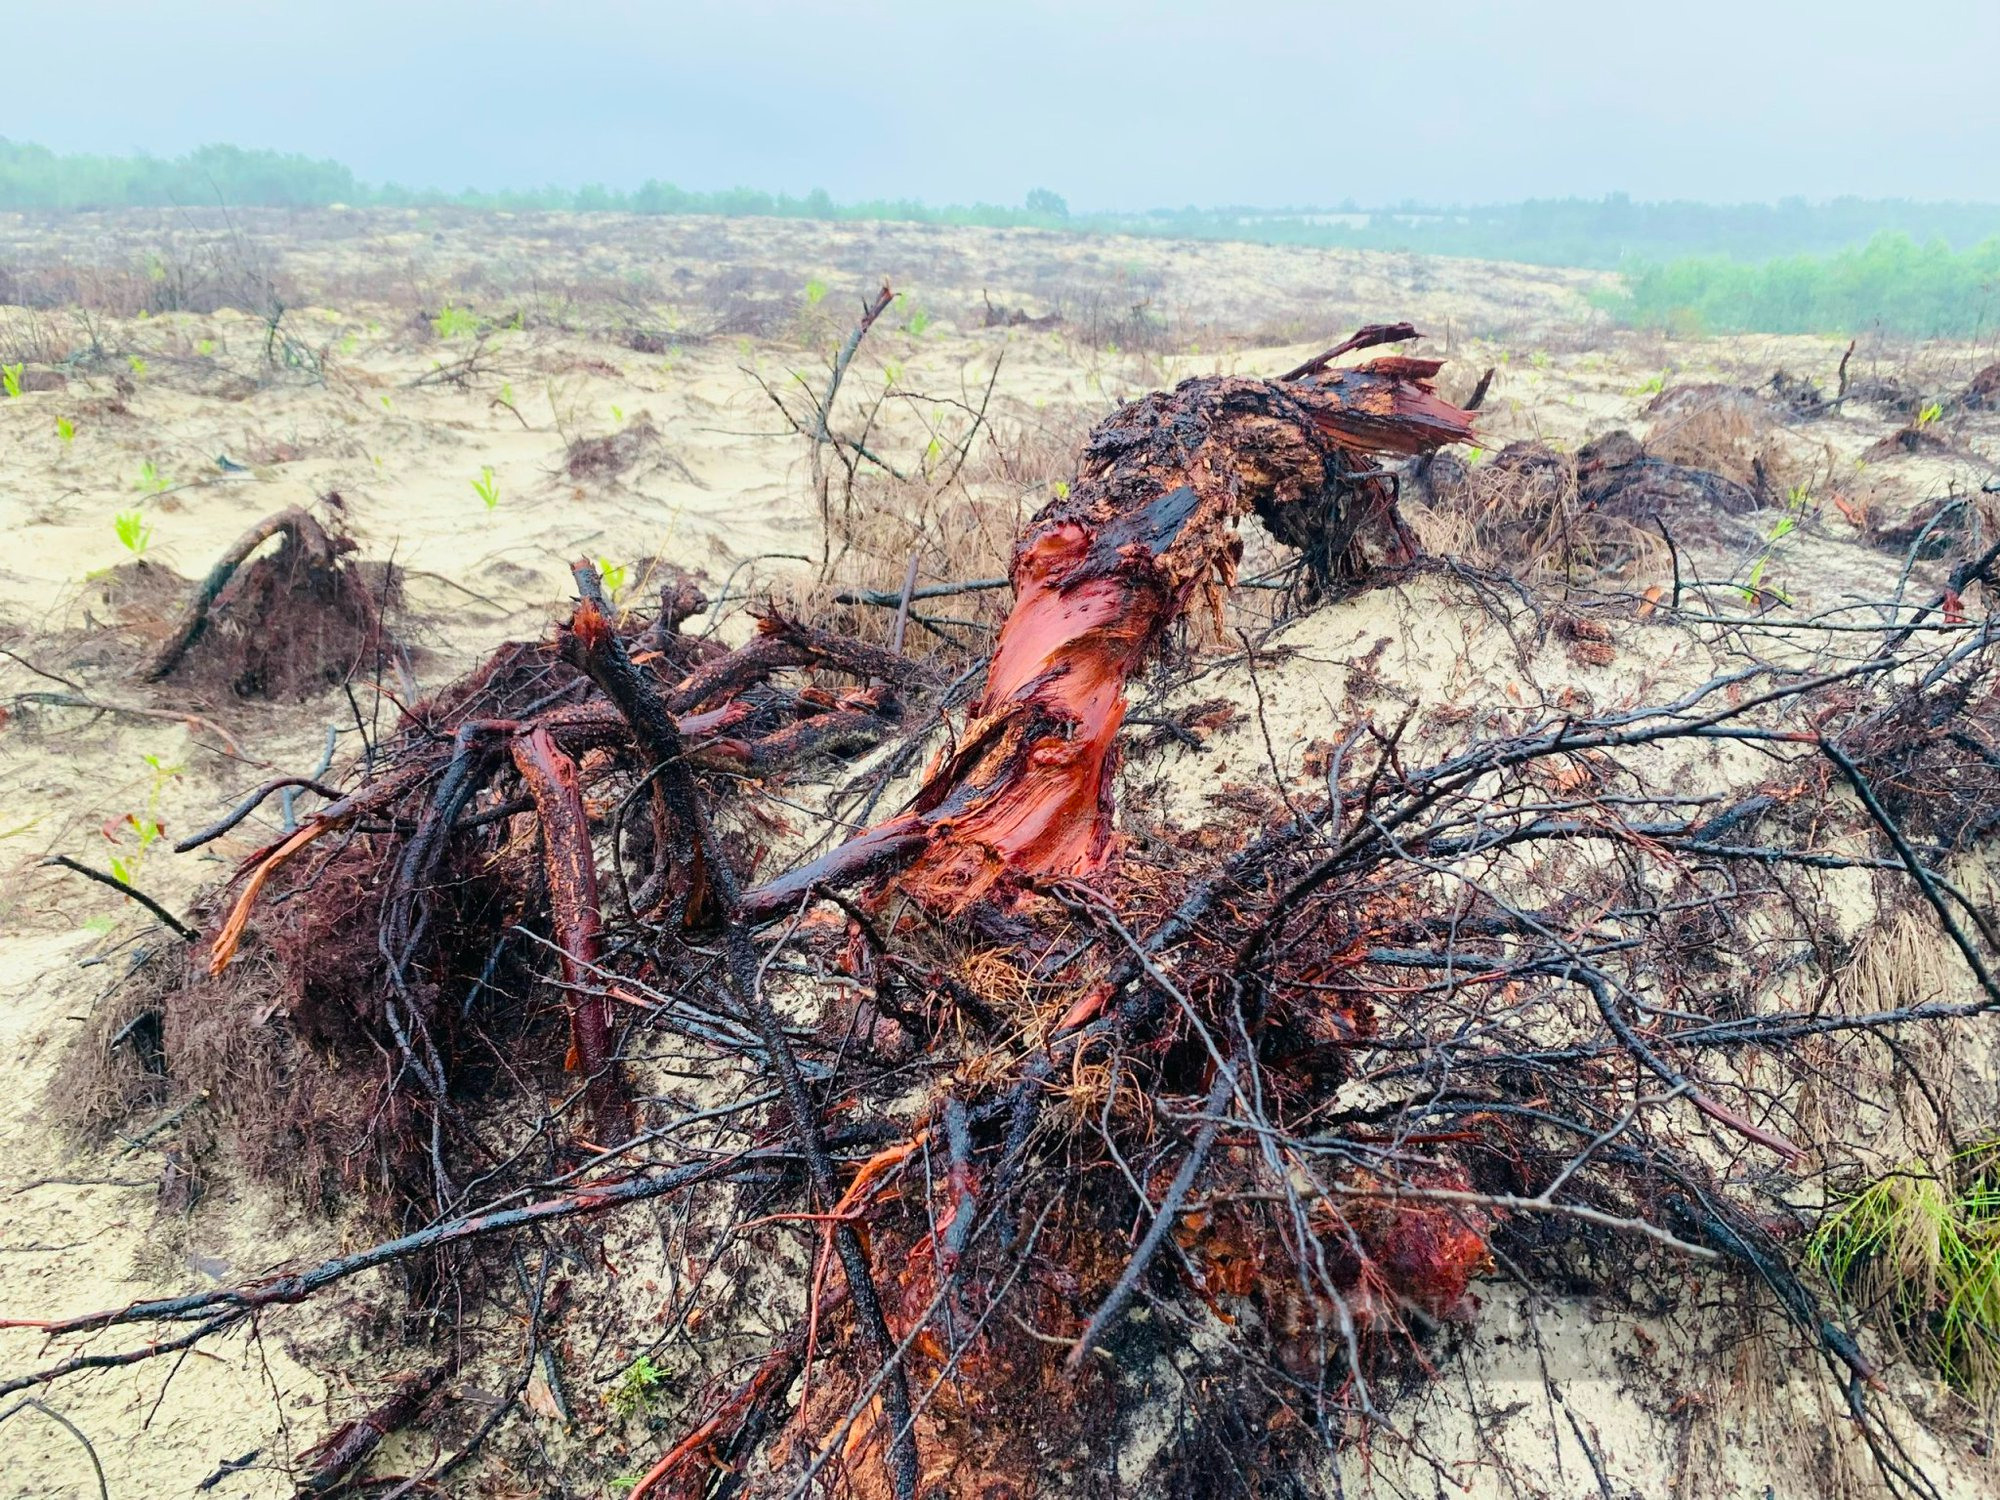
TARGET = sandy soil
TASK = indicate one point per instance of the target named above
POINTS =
(180, 416)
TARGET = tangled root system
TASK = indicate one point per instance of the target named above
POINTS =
(281, 626)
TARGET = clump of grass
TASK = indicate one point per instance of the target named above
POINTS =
(10, 380)
(1921, 1249)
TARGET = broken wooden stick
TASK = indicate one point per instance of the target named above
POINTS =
(330, 1462)
(126, 889)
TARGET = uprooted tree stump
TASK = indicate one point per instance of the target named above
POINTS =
(1148, 530)
(283, 625)
(1291, 1092)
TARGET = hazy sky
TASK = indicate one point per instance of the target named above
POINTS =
(1114, 105)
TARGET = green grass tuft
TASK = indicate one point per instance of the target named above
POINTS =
(1922, 1250)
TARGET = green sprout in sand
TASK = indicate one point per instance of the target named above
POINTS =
(134, 534)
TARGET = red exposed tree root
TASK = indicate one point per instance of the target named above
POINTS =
(1148, 529)
(684, 1468)
(551, 779)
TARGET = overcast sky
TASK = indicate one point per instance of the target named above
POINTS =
(1114, 105)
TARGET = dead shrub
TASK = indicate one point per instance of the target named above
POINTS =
(1982, 393)
(1524, 511)
(612, 455)
(1728, 432)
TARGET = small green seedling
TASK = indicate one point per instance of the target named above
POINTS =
(138, 364)
(617, 416)
(638, 1388)
(10, 378)
(151, 480)
(1930, 415)
(615, 575)
(487, 488)
(455, 322)
(815, 292)
(146, 824)
(206, 348)
(134, 535)
(1750, 589)
(66, 430)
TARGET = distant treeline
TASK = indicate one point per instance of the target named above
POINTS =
(1892, 283)
(1920, 268)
